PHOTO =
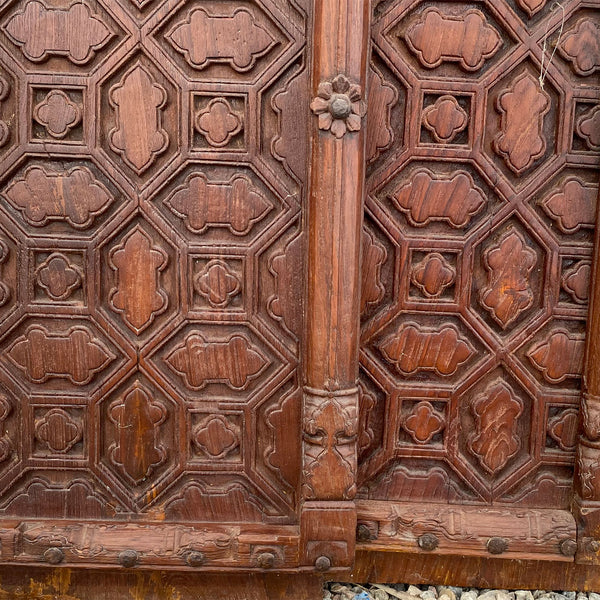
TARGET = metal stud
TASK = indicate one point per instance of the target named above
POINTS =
(54, 555)
(322, 564)
(265, 560)
(428, 541)
(195, 558)
(568, 547)
(496, 545)
(363, 533)
(128, 558)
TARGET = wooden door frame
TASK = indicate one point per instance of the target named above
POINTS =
(330, 419)
(586, 503)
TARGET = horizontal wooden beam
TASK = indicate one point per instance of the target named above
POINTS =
(429, 528)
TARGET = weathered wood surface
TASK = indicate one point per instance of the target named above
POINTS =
(482, 186)
(471, 571)
(214, 213)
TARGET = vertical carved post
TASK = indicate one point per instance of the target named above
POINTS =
(587, 470)
(330, 401)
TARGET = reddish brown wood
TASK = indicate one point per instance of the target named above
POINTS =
(35, 583)
(187, 288)
(481, 204)
(444, 529)
(330, 400)
(587, 499)
(152, 177)
(471, 571)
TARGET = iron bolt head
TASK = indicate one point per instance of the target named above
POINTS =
(428, 541)
(594, 546)
(195, 558)
(568, 547)
(54, 555)
(265, 560)
(363, 533)
(496, 545)
(128, 558)
(340, 106)
(322, 564)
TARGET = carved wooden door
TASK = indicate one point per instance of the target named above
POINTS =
(180, 293)
(481, 194)
(153, 174)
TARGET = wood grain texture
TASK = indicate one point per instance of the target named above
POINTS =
(262, 263)
(330, 401)
(152, 282)
(473, 328)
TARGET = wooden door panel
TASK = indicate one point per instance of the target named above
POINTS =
(151, 236)
(480, 210)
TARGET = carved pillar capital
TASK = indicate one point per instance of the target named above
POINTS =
(330, 428)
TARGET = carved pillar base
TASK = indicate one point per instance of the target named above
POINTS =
(328, 532)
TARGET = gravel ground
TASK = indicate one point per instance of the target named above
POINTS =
(375, 591)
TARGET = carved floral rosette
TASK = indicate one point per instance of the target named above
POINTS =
(330, 430)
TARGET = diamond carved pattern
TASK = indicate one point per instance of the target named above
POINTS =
(433, 222)
(509, 264)
(495, 441)
(138, 295)
(137, 417)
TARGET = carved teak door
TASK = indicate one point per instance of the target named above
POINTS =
(213, 211)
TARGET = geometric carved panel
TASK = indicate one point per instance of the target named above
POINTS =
(480, 328)
(139, 218)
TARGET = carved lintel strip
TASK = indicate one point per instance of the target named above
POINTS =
(156, 544)
(464, 530)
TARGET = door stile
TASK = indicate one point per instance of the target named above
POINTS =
(330, 398)
(587, 467)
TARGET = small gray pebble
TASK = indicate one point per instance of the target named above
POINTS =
(446, 591)
(488, 595)
(591, 595)
(428, 595)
